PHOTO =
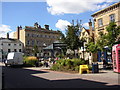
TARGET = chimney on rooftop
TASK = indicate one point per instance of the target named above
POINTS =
(46, 27)
(90, 27)
(18, 32)
(36, 25)
(7, 35)
(20, 27)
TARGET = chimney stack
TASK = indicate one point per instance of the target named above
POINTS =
(36, 25)
(47, 27)
(18, 32)
(7, 35)
(90, 27)
(20, 28)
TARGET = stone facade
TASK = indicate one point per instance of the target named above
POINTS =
(103, 17)
(86, 36)
(31, 36)
(10, 45)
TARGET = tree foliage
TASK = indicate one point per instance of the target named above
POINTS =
(113, 32)
(35, 50)
(107, 39)
(72, 37)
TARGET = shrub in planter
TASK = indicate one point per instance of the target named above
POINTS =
(55, 67)
(30, 61)
(40, 64)
(90, 67)
(77, 68)
(77, 63)
(63, 63)
(68, 64)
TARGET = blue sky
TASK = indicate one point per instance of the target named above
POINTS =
(27, 13)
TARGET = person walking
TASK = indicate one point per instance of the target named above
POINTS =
(104, 61)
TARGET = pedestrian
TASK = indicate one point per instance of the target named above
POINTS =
(104, 64)
(36, 63)
(46, 64)
(104, 61)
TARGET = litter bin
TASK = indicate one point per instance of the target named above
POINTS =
(95, 68)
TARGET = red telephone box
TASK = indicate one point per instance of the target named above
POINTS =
(116, 58)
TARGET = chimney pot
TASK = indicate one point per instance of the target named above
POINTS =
(46, 27)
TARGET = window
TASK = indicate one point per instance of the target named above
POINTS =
(20, 50)
(28, 42)
(9, 44)
(2, 51)
(9, 50)
(83, 33)
(14, 44)
(32, 42)
(100, 22)
(112, 17)
(32, 35)
(1, 43)
(15, 50)
(37, 42)
(28, 34)
(19, 44)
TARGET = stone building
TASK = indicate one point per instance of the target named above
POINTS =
(103, 17)
(86, 36)
(10, 45)
(31, 36)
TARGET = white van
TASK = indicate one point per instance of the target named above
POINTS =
(14, 58)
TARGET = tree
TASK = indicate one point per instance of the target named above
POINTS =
(72, 37)
(35, 50)
(113, 33)
(101, 41)
(107, 39)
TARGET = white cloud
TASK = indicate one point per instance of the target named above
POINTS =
(86, 25)
(62, 24)
(4, 29)
(56, 7)
(11, 34)
(23, 0)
